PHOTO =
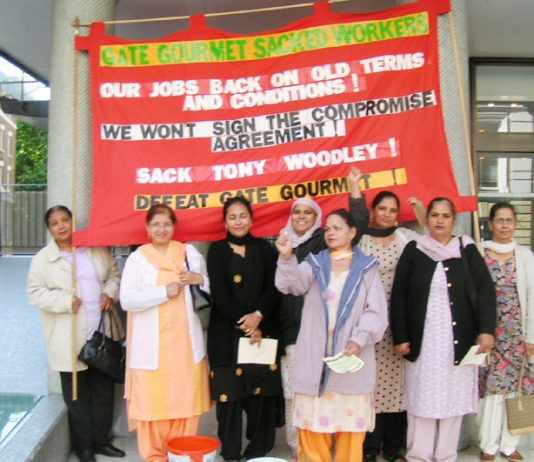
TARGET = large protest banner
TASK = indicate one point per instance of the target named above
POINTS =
(195, 117)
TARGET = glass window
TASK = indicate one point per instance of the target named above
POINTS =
(505, 99)
(503, 139)
(18, 84)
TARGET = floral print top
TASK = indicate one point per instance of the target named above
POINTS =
(501, 376)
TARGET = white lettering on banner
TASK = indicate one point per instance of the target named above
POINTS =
(147, 175)
(120, 90)
(399, 62)
(231, 86)
(168, 88)
(239, 170)
(333, 157)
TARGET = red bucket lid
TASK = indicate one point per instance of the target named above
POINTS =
(192, 445)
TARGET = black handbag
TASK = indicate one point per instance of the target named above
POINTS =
(105, 354)
(201, 299)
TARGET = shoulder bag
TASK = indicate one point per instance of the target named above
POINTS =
(520, 410)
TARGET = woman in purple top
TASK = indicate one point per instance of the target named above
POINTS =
(344, 313)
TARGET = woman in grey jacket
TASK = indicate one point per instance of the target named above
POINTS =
(344, 313)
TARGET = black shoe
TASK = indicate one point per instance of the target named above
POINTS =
(395, 458)
(110, 451)
(369, 457)
(86, 455)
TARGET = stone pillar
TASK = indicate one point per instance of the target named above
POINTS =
(60, 122)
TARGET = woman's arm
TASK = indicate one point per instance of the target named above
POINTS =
(357, 205)
(419, 211)
(373, 321)
(290, 277)
(138, 291)
(486, 296)
(111, 281)
(527, 262)
(53, 300)
(399, 297)
(269, 297)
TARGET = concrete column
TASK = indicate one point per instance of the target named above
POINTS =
(60, 122)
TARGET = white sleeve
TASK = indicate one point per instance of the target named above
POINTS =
(197, 264)
(138, 289)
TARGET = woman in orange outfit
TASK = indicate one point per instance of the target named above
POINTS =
(167, 386)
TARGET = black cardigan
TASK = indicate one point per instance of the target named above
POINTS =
(291, 305)
(226, 310)
(409, 298)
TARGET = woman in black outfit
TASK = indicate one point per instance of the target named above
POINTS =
(241, 269)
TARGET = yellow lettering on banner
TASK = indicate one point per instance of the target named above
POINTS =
(275, 193)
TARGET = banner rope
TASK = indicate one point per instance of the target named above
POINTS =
(207, 15)
(470, 168)
(74, 187)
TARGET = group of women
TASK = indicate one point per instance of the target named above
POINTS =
(408, 306)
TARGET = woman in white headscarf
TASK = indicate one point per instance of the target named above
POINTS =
(306, 235)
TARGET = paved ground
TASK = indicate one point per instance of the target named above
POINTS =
(23, 360)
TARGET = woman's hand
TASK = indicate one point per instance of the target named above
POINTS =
(191, 278)
(352, 348)
(249, 323)
(283, 245)
(173, 289)
(485, 343)
(106, 302)
(256, 336)
(529, 348)
(402, 349)
(419, 210)
(354, 178)
(76, 303)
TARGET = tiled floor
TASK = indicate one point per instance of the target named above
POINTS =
(129, 444)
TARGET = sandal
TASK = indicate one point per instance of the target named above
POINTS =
(514, 457)
(484, 456)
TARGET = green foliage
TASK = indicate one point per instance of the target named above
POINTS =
(32, 153)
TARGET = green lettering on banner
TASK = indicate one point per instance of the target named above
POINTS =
(267, 46)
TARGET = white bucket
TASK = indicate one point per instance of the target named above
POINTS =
(267, 459)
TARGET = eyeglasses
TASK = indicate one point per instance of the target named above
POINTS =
(161, 225)
(502, 221)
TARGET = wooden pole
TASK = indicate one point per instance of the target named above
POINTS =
(208, 15)
(470, 169)
(74, 316)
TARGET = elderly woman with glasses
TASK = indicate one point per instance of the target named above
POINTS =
(512, 269)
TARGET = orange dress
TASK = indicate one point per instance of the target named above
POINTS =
(178, 388)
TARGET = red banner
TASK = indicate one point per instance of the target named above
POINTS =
(195, 117)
